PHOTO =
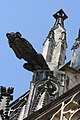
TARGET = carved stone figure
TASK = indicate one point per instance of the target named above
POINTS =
(24, 50)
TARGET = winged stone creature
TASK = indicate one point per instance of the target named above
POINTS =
(24, 50)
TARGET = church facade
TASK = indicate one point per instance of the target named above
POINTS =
(55, 87)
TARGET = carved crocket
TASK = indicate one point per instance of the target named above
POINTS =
(24, 50)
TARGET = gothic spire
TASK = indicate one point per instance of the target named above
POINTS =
(77, 41)
(75, 60)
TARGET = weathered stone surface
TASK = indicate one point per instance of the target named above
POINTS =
(60, 107)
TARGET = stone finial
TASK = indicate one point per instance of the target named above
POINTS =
(60, 14)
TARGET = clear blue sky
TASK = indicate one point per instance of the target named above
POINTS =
(33, 18)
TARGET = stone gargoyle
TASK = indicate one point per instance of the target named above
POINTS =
(24, 50)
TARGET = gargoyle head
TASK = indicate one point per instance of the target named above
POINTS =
(12, 36)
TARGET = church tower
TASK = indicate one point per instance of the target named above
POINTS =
(54, 47)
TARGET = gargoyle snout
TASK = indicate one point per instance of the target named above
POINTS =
(10, 38)
(7, 34)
